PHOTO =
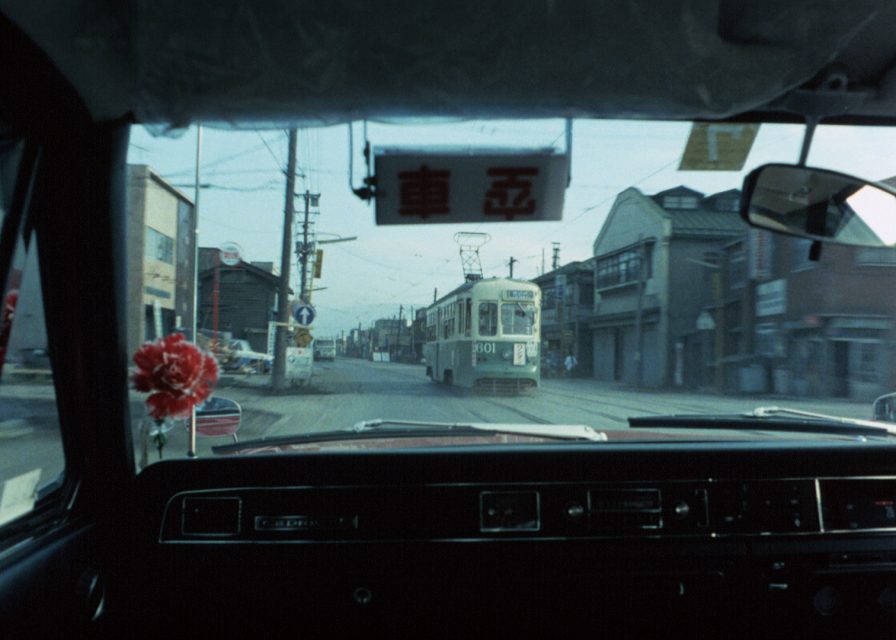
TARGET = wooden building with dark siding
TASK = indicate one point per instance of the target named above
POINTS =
(247, 298)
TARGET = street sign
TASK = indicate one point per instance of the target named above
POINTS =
(420, 186)
(303, 314)
(303, 337)
(231, 253)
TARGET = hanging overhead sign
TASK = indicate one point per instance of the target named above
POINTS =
(425, 187)
(718, 146)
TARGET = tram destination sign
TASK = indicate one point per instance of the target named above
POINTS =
(439, 186)
(519, 294)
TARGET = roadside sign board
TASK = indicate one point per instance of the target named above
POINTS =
(438, 186)
(718, 146)
(303, 315)
(299, 364)
(771, 298)
(231, 253)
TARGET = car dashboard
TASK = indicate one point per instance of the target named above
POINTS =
(734, 538)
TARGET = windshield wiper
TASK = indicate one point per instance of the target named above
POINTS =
(383, 428)
(559, 431)
(779, 419)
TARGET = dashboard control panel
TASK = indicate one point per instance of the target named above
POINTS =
(711, 508)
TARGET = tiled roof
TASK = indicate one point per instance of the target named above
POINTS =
(581, 266)
(705, 222)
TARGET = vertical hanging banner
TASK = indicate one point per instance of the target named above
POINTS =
(427, 187)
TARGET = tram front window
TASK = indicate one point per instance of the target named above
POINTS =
(517, 319)
(488, 319)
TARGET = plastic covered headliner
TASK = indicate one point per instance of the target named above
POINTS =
(226, 61)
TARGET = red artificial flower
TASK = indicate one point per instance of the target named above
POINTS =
(6, 316)
(177, 373)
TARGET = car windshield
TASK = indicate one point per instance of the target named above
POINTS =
(649, 296)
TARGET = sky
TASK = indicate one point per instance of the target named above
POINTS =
(392, 266)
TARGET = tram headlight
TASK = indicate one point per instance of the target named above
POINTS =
(507, 354)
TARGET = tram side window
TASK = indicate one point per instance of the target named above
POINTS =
(488, 318)
(430, 327)
(446, 323)
(468, 316)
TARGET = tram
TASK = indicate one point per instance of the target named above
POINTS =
(485, 335)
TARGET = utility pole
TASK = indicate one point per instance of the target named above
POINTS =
(191, 444)
(279, 377)
(398, 338)
(512, 260)
(196, 238)
(555, 258)
(303, 256)
(639, 316)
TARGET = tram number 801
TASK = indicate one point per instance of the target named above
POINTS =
(483, 347)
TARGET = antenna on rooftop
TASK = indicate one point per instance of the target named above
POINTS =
(470, 243)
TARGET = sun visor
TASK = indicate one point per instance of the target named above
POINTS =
(310, 63)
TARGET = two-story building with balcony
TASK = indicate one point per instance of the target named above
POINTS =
(654, 263)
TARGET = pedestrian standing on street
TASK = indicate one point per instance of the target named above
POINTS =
(569, 364)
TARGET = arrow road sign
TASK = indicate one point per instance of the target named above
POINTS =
(304, 315)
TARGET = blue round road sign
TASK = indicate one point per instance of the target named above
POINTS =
(304, 314)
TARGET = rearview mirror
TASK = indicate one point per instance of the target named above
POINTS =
(820, 205)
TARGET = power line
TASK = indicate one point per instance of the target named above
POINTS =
(219, 161)
(232, 228)
(265, 186)
(271, 151)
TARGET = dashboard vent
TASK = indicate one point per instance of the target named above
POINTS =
(211, 517)
(625, 510)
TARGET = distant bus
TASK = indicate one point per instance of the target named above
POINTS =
(485, 335)
(324, 348)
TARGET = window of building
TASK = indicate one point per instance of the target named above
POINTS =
(680, 202)
(709, 258)
(867, 365)
(488, 318)
(737, 269)
(727, 203)
(550, 298)
(586, 295)
(159, 246)
(624, 267)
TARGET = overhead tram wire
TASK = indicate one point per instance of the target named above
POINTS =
(219, 161)
(277, 160)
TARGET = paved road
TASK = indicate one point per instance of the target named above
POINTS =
(347, 391)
